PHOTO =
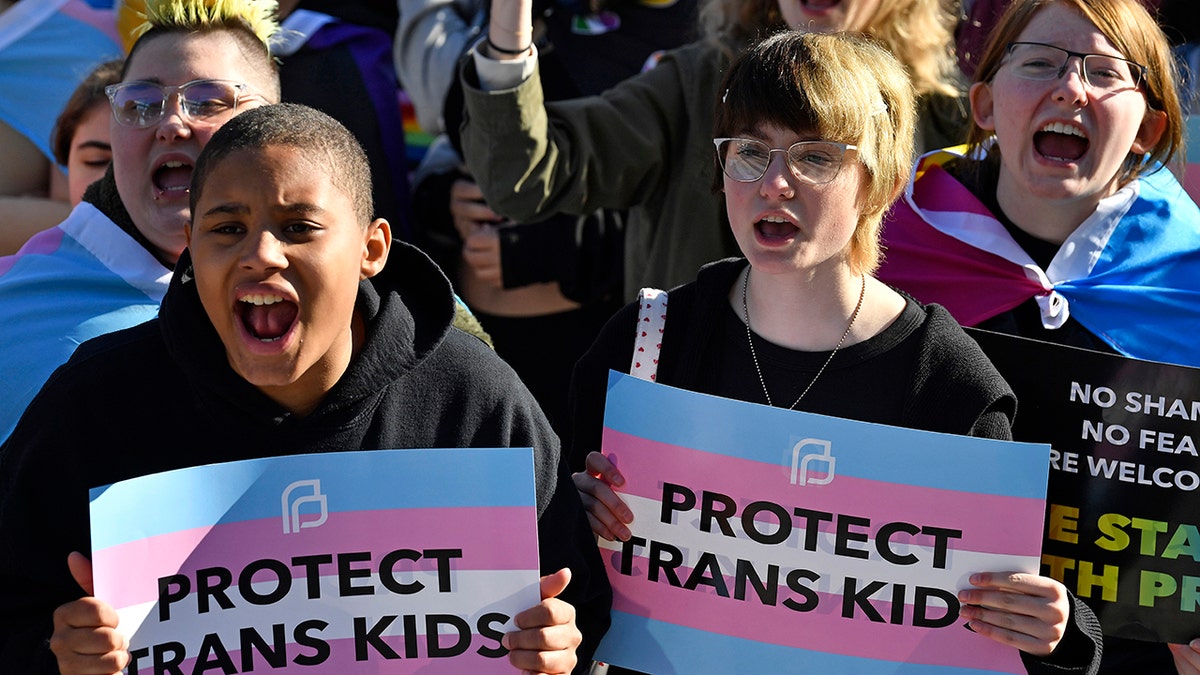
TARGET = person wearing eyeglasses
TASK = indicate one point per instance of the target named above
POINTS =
(107, 266)
(813, 145)
(645, 144)
(1062, 220)
(1062, 214)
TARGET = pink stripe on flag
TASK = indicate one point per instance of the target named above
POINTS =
(103, 20)
(341, 657)
(42, 243)
(935, 267)
(937, 190)
(983, 525)
(822, 629)
(484, 535)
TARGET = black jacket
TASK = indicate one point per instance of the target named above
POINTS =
(162, 395)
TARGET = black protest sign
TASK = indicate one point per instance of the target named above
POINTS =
(1123, 502)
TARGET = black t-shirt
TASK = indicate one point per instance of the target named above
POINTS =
(788, 372)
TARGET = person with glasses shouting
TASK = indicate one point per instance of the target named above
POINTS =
(1062, 220)
(814, 143)
(107, 265)
(642, 144)
(1062, 210)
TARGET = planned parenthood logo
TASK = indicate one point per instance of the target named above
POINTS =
(308, 492)
(813, 468)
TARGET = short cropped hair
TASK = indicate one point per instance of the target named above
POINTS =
(251, 24)
(845, 88)
(85, 98)
(1135, 34)
(297, 126)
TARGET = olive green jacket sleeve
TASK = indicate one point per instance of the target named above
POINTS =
(644, 145)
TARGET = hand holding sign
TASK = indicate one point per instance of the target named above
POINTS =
(85, 638)
(1186, 657)
(606, 512)
(548, 637)
(1025, 611)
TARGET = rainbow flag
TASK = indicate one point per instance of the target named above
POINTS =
(386, 561)
(775, 541)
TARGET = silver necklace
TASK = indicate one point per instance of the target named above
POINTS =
(750, 338)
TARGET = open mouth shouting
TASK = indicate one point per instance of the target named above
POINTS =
(775, 230)
(172, 179)
(266, 320)
(1061, 142)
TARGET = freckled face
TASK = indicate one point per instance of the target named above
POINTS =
(90, 152)
(783, 224)
(278, 254)
(1060, 139)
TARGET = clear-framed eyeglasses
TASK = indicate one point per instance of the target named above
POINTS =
(141, 104)
(746, 159)
(1101, 72)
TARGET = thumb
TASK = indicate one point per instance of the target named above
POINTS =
(81, 571)
(553, 584)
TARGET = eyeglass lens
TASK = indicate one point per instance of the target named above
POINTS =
(746, 160)
(1036, 61)
(140, 104)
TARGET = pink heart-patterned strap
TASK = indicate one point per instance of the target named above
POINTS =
(652, 319)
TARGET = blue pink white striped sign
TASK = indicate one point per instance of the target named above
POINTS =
(767, 540)
(388, 561)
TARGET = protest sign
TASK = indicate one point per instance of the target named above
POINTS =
(386, 561)
(769, 540)
(1123, 509)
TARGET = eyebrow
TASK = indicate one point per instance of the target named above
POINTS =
(99, 145)
(239, 209)
(229, 209)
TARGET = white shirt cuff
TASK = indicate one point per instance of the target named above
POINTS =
(495, 75)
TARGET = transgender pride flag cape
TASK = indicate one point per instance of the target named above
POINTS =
(1130, 273)
(70, 283)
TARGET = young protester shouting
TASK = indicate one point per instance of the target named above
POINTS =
(645, 144)
(276, 337)
(1061, 221)
(814, 140)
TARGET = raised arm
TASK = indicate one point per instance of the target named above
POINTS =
(534, 159)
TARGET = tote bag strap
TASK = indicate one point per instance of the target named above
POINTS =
(652, 319)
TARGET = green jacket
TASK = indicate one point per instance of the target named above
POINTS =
(644, 145)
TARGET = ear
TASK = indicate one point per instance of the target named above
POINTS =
(1154, 125)
(981, 106)
(377, 242)
(187, 234)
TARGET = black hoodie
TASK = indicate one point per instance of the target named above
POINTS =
(162, 396)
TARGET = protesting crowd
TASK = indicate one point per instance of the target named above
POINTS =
(244, 229)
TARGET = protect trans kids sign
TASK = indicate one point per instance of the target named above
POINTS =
(774, 541)
(386, 561)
